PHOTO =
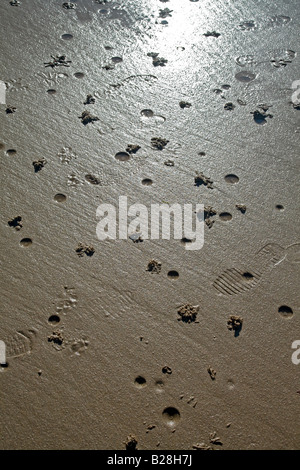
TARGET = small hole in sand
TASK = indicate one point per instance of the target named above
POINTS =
(51, 91)
(171, 416)
(245, 76)
(92, 179)
(159, 384)
(225, 216)
(60, 197)
(11, 152)
(248, 276)
(140, 381)
(147, 182)
(279, 207)
(122, 156)
(54, 319)
(78, 74)
(285, 311)
(173, 274)
(231, 179)
(231, 384)
(185, 240)
(202, 154)
(260, 119)
(4, 366)
(67, 37)
(147, 113)
(26, 242)
(116, 60)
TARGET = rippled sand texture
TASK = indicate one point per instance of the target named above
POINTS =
(142, 343)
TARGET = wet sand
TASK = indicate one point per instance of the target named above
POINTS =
(143, 341)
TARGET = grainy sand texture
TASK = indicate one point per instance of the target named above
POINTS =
(138, 342)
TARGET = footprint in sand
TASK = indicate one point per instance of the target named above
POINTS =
(237, 280)
(293, 253)
(20, 343)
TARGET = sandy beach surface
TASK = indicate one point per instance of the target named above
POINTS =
(139, 341)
